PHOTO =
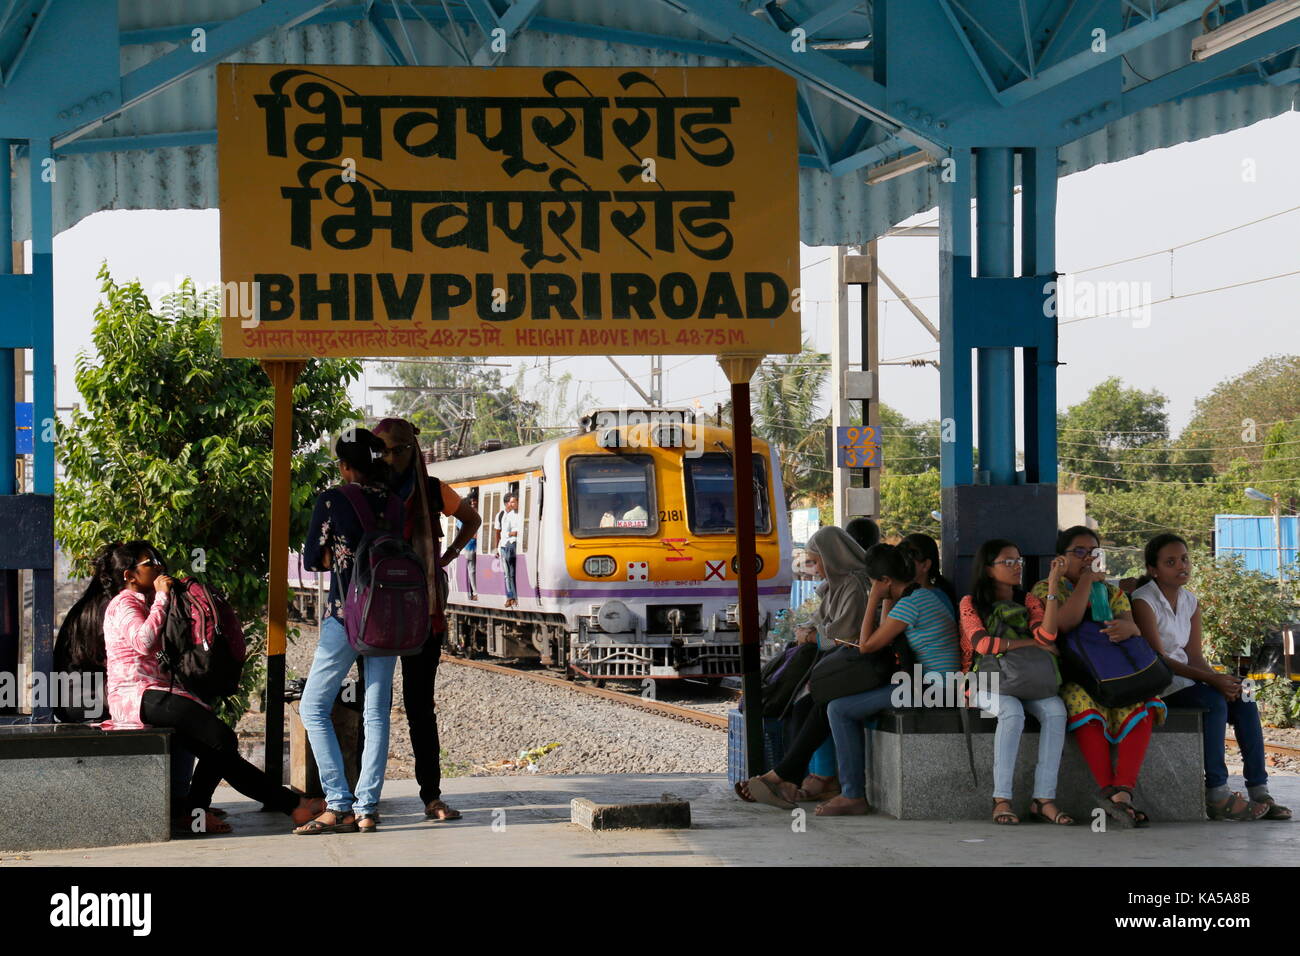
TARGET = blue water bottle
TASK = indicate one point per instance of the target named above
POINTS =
(1099, 601)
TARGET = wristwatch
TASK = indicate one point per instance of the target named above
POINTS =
(1052, 597)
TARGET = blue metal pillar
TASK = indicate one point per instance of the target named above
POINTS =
(1038, 258)
(995, 240)
(10, 600)
(42, 175)
(955, 193)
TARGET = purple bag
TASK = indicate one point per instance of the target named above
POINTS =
(1114, 675)
(386, 610)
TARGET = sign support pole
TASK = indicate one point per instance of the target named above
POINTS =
(282, 375)
(740, 369)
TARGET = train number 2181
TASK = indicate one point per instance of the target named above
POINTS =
(673, 515)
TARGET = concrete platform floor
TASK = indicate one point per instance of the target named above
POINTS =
(532, 828)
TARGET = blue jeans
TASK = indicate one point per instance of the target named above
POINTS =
(1219, 712)
(846, 716)
(507, 553)
(1050, 714)
(334, 658)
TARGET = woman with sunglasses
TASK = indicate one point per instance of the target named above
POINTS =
(426, 501)
(141, 692)
(1097, 728)
(1018, 620)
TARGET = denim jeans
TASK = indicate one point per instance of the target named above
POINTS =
(846, 715)
(334, 658)
(1219, 712)
(471, 570)
(1050, 714)
(507, 553)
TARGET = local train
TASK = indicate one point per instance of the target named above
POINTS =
(626, 561)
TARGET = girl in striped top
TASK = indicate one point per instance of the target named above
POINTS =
(906, 608)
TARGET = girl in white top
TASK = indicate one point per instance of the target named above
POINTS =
(1170, 619)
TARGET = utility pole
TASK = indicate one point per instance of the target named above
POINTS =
(860, 498)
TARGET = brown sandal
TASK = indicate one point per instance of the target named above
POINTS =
(1236, 807)
(830, 789)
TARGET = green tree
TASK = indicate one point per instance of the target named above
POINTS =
(906, 501)
(1115, 433)
(785, 395)
(1234, 419)
(1238, 607)
(907, 447)
(173, 445)
(439, 396)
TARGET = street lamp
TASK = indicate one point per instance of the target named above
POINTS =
(1276, 502)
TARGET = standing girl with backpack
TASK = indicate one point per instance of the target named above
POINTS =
(142, 693)
(1095, 727)
(1170, 619)
(333, 538)
(426, 500)
(924, 617)
(997, 617)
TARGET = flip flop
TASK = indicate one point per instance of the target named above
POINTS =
(315, 827)
(760, 791)
(825, 810)
(1121, 812)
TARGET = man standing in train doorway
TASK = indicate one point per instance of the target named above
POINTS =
(427, 500)
(508, 544)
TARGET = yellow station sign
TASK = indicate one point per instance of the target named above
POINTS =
(517, 211)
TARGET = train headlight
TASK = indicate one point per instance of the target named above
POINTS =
(600, 566)
(758, 564)
(614, 617)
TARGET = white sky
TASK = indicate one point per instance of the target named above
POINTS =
(1147, 204)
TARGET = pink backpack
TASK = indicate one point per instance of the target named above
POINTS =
(386, 609)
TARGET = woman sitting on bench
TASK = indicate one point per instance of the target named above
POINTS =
(837, 557)
(1017, 620)
(142, 693)
(924, 615)
(1095, 727)
(1170, 619)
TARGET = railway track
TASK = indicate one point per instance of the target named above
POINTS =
(660, 708)
(1280, 749)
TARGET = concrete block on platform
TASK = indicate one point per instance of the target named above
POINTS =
(664, 815)
(919, 769)
(69, 786)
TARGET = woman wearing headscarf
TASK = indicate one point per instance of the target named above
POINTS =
(836, 557)
(426, 500)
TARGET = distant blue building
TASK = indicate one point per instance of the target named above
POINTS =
(1254, 538)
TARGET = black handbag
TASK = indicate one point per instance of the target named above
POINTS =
(1029, 673)
(846, 671)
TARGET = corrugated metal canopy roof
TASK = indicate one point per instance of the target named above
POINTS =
(94, 173)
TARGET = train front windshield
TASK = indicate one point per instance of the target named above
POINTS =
(710, 495)
(612, 496)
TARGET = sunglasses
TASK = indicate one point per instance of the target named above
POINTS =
(151, 563)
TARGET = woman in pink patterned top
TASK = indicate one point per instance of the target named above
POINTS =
(141, 692)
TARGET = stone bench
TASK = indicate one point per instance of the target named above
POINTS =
(918, 768)
(64, 786)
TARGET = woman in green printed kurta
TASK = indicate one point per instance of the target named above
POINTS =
(1095, 727)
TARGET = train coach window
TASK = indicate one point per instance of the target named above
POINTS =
(710, 495)
(612, 495)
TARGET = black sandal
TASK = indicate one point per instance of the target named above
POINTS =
(370, 818)
(1121, 811)
(1036, 813)
(340, 824)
